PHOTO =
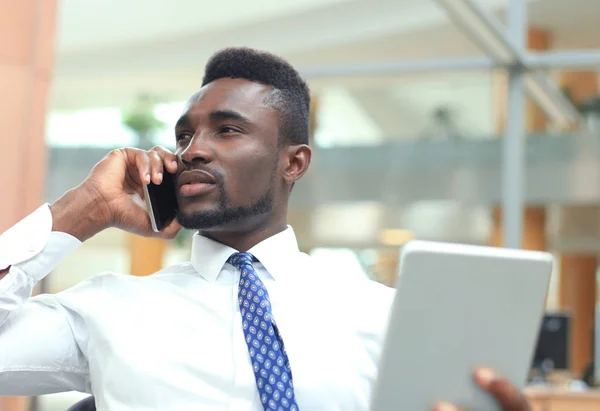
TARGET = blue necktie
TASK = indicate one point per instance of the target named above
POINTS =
(269, 360)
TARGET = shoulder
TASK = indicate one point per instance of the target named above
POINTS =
(358, 306)
(371, 302)
(175, 270)
(96, 285)
(108, 282)
(345, 289)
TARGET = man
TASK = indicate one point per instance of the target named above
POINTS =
(250, 323)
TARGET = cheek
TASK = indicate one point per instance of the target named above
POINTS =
(252, 178)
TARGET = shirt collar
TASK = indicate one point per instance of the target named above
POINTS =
(209, 256)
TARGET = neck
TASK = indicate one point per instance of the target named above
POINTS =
(246, 237)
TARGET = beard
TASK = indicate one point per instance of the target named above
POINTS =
(225, 214)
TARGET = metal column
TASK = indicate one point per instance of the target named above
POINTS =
(513, 172)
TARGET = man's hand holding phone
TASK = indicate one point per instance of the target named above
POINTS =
(113, 195)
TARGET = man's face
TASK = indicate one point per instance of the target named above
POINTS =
(227, 142)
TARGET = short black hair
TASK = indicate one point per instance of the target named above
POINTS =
(290, 96)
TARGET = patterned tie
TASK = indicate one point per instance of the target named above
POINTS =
(267, 353)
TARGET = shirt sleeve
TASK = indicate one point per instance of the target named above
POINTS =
(33, 246)
(39, 352)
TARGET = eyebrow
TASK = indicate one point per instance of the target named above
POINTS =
(184, 120)
(229, 115)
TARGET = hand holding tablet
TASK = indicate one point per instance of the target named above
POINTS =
(457, 308)
(506, 394)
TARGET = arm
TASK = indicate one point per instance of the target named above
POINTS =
(42, 346)
(38, 351)
(42, 342)
(32, 248)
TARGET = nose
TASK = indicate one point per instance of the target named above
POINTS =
(196, 152)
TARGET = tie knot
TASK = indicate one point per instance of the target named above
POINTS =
(239, 260)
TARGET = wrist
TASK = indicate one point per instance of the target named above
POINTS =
(80, 212)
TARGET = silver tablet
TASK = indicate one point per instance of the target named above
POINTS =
(458, 307)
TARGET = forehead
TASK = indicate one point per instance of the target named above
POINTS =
(247, 97)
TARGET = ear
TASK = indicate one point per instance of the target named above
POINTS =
(296, 162)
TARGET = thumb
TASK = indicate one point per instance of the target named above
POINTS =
(133, 217)
(170, 231)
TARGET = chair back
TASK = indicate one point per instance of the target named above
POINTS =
(87, 404)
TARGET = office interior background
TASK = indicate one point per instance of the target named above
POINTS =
(470, 121)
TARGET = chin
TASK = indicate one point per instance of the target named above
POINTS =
(200, 219)
(225, 216)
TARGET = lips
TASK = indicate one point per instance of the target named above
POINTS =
(195, 182)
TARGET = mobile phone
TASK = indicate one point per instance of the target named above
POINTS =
(161, 202)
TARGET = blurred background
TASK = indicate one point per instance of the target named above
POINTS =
(452, 120)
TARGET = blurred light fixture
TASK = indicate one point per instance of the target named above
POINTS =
(395, 237)
(486, 31)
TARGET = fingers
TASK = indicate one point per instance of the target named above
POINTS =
(142, 163)
(138, 222)
(122, 175)
(156, 167)
(169, 159)
(444, 406)
(161, 160)
(152, 164)
(506, 394)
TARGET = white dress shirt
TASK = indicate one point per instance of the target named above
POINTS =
(174, 340)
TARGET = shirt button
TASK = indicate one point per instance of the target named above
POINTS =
(32, 248)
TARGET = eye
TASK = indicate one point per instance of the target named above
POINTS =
(228, 130)
(183, 136)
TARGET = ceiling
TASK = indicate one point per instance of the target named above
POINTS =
(110, 51)
(109, 23)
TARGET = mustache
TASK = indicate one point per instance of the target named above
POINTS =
(215, 173)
